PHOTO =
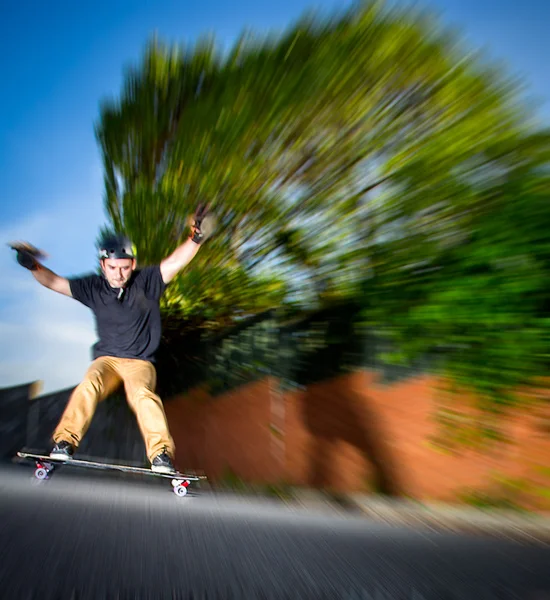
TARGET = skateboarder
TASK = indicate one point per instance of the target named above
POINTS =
(125, 303)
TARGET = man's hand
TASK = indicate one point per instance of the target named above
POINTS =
(27, 255)
(203, 224)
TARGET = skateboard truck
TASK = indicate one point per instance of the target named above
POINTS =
(180, 486)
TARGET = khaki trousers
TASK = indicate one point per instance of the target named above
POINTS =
(103, 376)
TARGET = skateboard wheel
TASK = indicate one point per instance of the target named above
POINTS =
(41, 473)
(180, 490)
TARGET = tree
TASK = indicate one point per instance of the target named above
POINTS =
(368, 155)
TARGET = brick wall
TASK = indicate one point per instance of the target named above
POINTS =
(231, 431)
(350, 433)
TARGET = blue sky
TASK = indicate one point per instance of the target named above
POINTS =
(59, 59)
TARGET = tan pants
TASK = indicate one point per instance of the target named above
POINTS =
(103, 376)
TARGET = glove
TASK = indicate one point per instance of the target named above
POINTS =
(27, 255)
(204, 225)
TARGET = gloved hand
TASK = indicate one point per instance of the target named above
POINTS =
(204, 224)
(27, 255)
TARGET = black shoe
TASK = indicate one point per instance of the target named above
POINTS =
(162, 463)
(62, 450)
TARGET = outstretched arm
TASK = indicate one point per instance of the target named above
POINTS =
(52, 281)
(28, 256)
(181, 257)
(203, 227)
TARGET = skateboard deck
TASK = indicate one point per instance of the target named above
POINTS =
(45, 465)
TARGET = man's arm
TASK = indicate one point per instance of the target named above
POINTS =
(203, 227)
(52, 281)
(181, 257)
(28, 256)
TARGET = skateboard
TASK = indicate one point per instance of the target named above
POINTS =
(45, 465)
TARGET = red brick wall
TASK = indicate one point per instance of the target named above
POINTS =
(231, 431)
(349, 434)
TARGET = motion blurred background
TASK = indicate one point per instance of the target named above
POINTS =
(373, 311)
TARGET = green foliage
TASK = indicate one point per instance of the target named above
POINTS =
(502, 493)
(230, 480)
(369, 156)
(481, 303)
(489, 501)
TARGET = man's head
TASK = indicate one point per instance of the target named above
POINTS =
(118, 271)
(118, 259)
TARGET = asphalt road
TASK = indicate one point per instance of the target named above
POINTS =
(80, 536)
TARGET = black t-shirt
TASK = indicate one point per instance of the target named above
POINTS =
(129, 327)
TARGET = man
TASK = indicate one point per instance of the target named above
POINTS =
(125, 303)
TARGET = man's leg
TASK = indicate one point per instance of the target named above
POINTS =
(140, 380)
(100, 380)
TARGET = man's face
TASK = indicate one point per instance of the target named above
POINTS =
(118, 270)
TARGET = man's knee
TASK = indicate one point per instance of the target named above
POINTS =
(145, 393)
(92, 383)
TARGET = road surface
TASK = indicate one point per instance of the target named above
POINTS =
(83, 535)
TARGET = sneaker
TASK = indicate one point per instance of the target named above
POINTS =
(63, 450)
(162, 463)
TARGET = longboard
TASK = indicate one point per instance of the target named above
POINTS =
(45, 465)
